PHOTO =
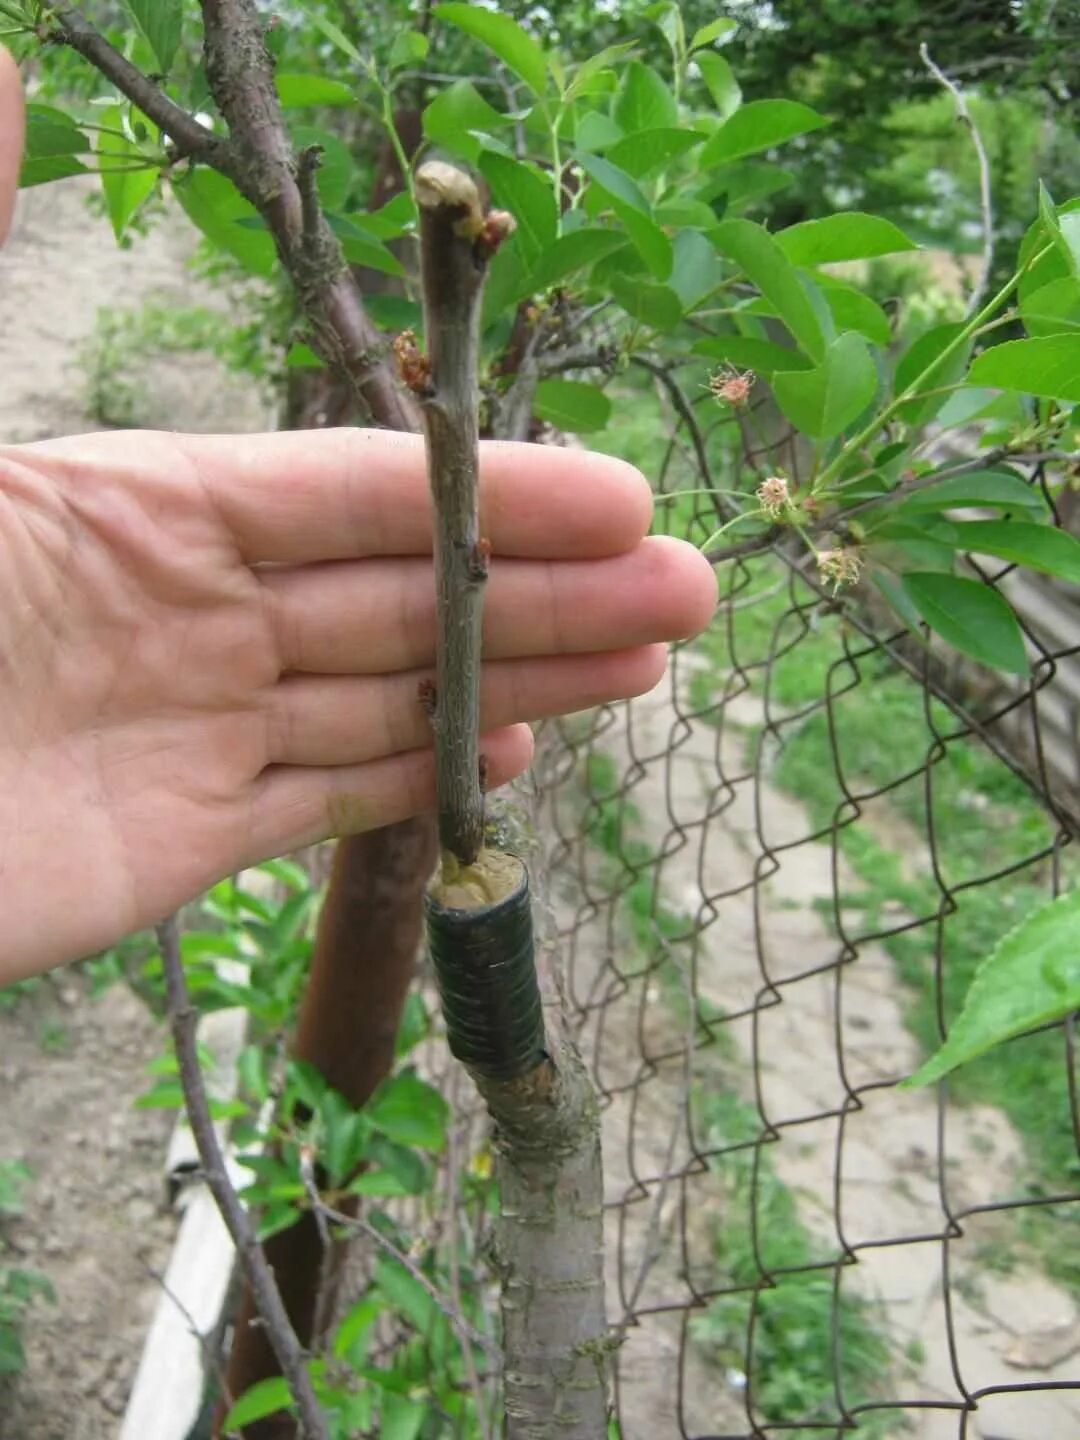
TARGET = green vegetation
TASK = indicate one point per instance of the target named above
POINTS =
(19, 1287)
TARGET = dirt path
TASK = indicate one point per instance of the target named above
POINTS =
(70, 1067)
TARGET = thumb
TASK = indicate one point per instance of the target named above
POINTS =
(11, 137)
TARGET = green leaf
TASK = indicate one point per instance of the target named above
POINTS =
(648, 150)
(710, 33)
(1049, 366)
(572, 405)
(667, 17)
(266, 1397)
(504, 38)
(823, 401)
(51, 132)
(125, 189)
(595, 132)
(747, 181)
(616, 184)
(590, 70)
(410, 1111)
(759, 126)
(528, 197)
(644, 101)
(654, 305)
(160, 23)
(1031, 978)
(573, 252)
(971, 616)
(406, 1295)
(630, 205)
(1039, 547)
(410, 47)
(378, 1182)
(49, 167)
(339, 39)
(721, 83)
(852, 235)
(995, 489)
(748, 353)
(297, 91)
(455, 114)
(217, 208)
(852, 310)
(923, 355)
(389, 222)
(166, 1095)
(696, 269)
(689, 214)
(755, 251)
(362, 248)
(1053, 309)
(400, 1417)
(356, 1323)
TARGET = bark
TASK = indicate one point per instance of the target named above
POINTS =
(550, 1248)
(549, 1233)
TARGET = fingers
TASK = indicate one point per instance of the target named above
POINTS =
(297, 806)
(11, 138)
(336, 721)
(377, 616)
(342, 494)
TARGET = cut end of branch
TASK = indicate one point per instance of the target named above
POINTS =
(440, 185)
(493, 876)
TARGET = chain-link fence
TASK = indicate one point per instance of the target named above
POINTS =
(774, 878)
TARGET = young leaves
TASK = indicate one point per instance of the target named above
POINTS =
(53, 141)
(759, 126)
(160, 22)
(265, 1397)
(503, 37)
(755, 251)
(851, 236)
(825, 400)
(971, 616)
(128, 177)
(1031, 978)
(1048, 366)
(644, 102)
(572, 405)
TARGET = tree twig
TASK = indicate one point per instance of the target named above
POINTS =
(467, 1334)
(183, 1019)
(456, 239)
(187, 134)
(963, 115)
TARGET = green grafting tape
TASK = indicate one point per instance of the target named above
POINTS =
(486, 971)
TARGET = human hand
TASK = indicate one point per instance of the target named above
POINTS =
(212, 648)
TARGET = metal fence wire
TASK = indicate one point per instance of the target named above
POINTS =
(773, 879)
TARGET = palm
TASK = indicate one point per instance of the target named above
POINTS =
(212, 650)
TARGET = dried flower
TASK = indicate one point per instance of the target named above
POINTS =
(730, 387)
(412, 363)
(842, 567)
(773, 496)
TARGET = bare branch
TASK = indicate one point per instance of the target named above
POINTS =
(455, 242)
(282, 1337)
(187, 134)
(963, 115)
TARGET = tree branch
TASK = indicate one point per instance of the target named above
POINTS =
(455, 243)
(286, 1347)
(189, 136)
(963, 115)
